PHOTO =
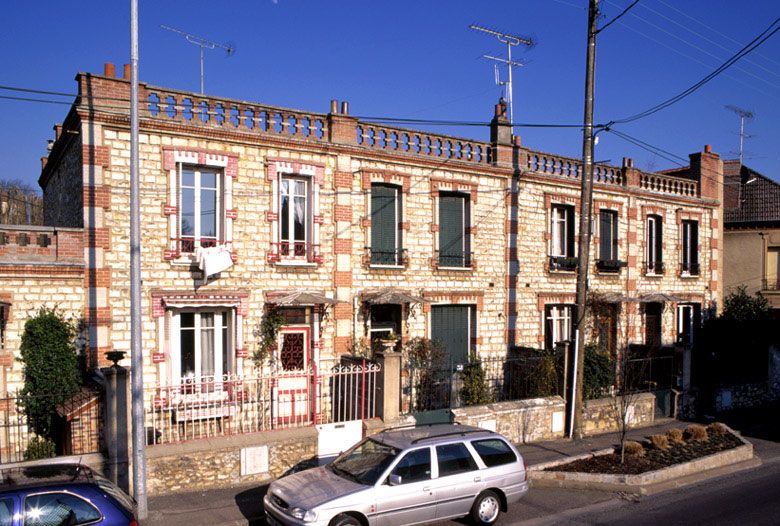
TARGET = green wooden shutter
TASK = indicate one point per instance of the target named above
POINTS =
(451, 230)
(659, 241)
(383, 225)
(605, 233)
(694, 245)
(450, 327)
(570, 248)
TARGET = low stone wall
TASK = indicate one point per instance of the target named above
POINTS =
(599, 416)
(227, 461)
(520, 420)
(745, 395)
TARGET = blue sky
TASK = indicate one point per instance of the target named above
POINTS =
(417, 59)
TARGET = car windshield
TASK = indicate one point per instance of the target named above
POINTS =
(365, 462)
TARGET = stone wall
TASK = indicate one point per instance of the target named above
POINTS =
(745, 395)
(600, 416)
(520, 421)
(226, 461)
(61, 181)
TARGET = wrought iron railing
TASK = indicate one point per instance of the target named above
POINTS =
(770, 284)
(690, 269)
(454, 259)
(395, 257)
(295, 251)
(654, 268)
(235, 405)
(612, 266)
(563, 263)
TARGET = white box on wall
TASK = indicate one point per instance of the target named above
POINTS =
(254, 460)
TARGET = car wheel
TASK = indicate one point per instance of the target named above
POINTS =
(345, 520)
(486, 508)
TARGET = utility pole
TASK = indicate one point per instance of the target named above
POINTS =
(136, 356)
(586, 194)
(509, 40)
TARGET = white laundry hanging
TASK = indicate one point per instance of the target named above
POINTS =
(213, 260)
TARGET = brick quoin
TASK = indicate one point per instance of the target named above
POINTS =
(99, 238)
(95, 155)
(97, 196)
(342, 179)
(342, 278)
(341, 344)
(99, 277)
(342, 311)
(342, 246)
(342, 213)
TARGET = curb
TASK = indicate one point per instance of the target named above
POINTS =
(723, 462)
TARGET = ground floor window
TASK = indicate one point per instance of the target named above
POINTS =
(202, 345)
(688, 322)
(557, 324)
(385, 322)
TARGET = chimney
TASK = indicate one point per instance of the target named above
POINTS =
(109, 70)
(707, 148)
(628, 162)
(500, 131)
(344, 107)
(57, 130)
(49, 145)
(126, 72)
(44, 160)
(334, 106)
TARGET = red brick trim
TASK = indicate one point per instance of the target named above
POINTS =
(543, 298)
(713, 242)
(231, 214)
(554, 198)
(342, 179)
(653, 210)
(170, 210)
(200, 156)
(159, 297)
(456, 297)
(687, 215)
(342, 246)
(387, 177)
(97, 196)
(276, 166)
(95, 155)
(452, 185)
(608, 204)
(713, 285)
(342, 278)
(342, 311)
(342, 213)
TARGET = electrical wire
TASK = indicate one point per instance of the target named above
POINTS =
(618, 17)
(753, 44)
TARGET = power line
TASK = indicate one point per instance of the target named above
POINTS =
(753, 44)
(618, 17)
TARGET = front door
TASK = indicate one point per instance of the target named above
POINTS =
(293, 393)
(653, 313)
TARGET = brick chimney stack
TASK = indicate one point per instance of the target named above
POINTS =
(109, 70)
(501, 136)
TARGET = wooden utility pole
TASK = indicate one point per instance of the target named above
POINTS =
(586, 195)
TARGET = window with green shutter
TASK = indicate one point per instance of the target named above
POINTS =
(453, 230)
(385, 221)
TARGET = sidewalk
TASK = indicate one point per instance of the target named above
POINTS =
(243, 505)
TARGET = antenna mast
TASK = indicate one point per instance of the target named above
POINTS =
(202, 43)
(743, 115)
(509, 40)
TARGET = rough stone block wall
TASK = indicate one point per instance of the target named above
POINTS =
(520, 421)
(602, 415)
(745, 395)
(62, 197)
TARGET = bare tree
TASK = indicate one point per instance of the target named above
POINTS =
(19, 204)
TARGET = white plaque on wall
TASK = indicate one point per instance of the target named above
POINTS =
(254, 460)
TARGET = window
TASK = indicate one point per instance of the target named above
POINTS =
(386, 225)
(202, 345)
(688, 321)
(294, 218)
(414, 467)
(494, 452)
(608, 241)
(558, 324)
(200, 207)
(57, 509)
(454, 223)
(453, 459)
(562, 255)
(690, 248)
(653, 325)
(654, 245)
(772, 280)
(385, 319)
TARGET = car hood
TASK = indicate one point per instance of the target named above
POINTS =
(313, 487)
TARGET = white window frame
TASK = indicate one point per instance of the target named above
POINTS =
(307, 225)
(652, 257)
(613, 232)
(559, 230)
(688, 251)
(561, 321)
(222, 317)
(197, 189)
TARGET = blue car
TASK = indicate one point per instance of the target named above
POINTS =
(61, 495)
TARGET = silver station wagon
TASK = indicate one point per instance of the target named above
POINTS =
(412, 475)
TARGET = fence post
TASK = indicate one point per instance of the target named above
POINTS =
(117, 424)
(389, 385)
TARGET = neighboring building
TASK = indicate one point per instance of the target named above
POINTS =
(351, 229)
(752, 232)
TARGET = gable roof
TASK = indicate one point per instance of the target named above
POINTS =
(750, 198)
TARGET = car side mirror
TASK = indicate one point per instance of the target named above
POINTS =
(394, 480)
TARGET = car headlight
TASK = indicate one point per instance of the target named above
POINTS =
(301, 514)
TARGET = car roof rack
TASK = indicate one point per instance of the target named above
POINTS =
(451, 433)
(414, 426)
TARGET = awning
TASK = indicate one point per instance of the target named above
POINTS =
(390, 296)
(660, 297)
(298, 297)
(616, 297)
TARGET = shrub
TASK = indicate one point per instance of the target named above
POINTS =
(716, 428)
(599, 373)
(634, 449)
(51, 371)
(696, 432)
(675, 435)
(659, 441)
(475, 389)
(39, 448)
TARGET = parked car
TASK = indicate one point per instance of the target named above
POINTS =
(403, 476)
(62, 495)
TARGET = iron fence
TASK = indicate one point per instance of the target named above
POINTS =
(234, 405)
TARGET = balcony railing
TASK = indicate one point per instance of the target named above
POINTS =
(690, 269)
(772, 284)
(188, 244)
(654, 268)
(233, 405)
(390, 258)
(610, 266)
(298, 251)
(563, 263)
(454, 259)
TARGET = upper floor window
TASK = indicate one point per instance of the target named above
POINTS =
(608, 260)
(454, 230)
(294, 218)
(772, 279)
(557, 324)
(690, 247)
(386, 247)
(201, 211)
(654, 245)
(562, 256)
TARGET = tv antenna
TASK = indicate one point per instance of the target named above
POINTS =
(743, 116)
(202, 43)
(509, 40)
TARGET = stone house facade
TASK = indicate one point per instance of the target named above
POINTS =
(357, 230)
